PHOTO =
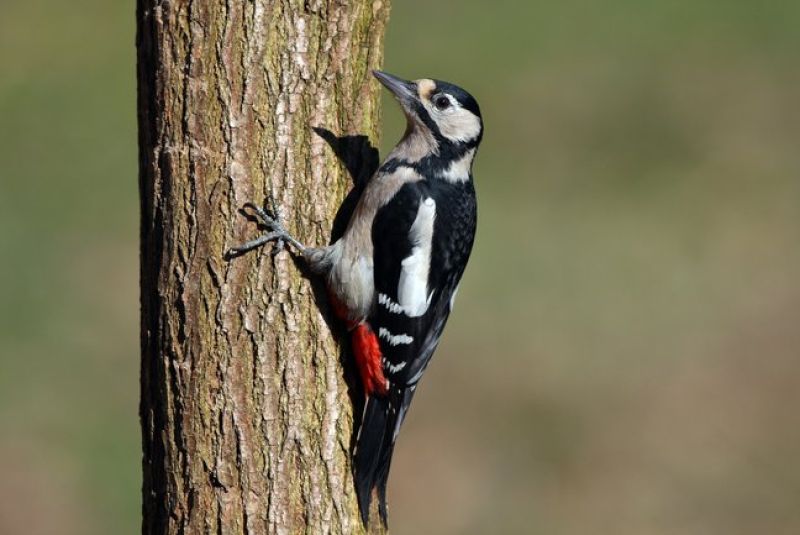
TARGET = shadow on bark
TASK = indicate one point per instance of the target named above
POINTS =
(361, 159)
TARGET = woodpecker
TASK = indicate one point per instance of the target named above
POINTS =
(393, 275)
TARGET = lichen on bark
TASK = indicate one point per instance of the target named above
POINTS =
(246, 414)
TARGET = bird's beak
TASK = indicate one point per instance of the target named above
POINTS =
(405, 91)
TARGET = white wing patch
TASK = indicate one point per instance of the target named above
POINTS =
(412, 289)
(395, 339)
(392, 368)
(453, 298)
(390, 305)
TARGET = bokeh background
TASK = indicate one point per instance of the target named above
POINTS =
(625, 354)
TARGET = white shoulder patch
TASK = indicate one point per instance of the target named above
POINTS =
(412, 289)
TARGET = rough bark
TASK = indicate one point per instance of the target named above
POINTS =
(245, 407)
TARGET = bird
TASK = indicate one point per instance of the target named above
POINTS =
(393, 275)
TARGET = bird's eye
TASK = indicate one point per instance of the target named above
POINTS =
(441, 102)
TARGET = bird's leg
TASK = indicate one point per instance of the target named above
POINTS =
(277, 232)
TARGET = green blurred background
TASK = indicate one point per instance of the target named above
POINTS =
(625, 356)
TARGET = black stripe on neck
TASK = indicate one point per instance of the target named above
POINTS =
(431, 165)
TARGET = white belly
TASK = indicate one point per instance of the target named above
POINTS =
(351, 279)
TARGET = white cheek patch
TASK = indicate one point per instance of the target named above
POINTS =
(412, 288)
(462, 125)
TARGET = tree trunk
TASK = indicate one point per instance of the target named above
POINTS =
(246, 410)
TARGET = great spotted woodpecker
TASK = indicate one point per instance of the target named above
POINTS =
(393, 275)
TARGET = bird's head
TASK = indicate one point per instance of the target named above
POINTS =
(439, 110)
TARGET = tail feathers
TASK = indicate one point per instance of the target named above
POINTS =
(382, 479)
(373, 454)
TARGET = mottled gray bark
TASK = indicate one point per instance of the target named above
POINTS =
(246, 416)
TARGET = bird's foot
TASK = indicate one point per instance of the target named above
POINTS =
(276, 232)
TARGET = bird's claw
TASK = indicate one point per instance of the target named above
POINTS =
(280, 245)
(271, 220)
(277, 233)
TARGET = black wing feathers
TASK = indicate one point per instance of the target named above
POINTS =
(453, 235)
(390, 238)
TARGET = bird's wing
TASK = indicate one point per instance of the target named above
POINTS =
(421, 241)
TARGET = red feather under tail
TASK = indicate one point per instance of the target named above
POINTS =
(367, 350)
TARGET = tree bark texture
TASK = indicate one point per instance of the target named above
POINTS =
(245, 405)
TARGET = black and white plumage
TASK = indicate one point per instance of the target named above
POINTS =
(394, 273)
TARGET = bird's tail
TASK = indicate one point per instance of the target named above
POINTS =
(373, 453)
